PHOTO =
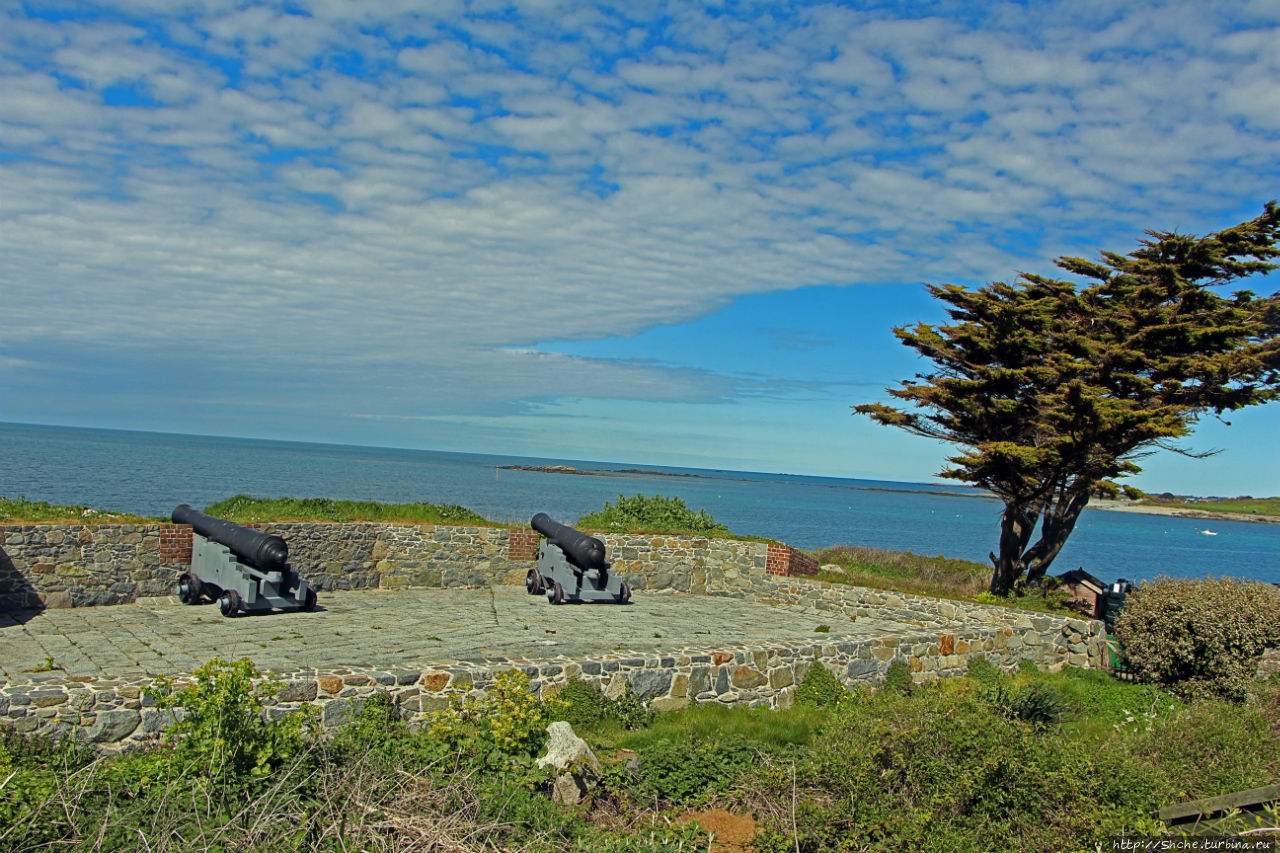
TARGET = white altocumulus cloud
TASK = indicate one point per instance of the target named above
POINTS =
(384, 210)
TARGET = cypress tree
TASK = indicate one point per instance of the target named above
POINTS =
(1054, 388)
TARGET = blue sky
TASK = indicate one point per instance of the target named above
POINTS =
(664, 233)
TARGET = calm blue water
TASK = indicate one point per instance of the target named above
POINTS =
(151, 473)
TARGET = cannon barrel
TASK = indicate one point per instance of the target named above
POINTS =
(586, 552)
(266, 552)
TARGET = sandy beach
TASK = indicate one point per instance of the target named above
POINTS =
(1179, 512)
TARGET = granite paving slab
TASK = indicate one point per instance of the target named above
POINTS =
(412, 628)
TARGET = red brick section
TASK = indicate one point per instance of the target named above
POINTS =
(786, 561)
(523, 545)
(802, 563)
(175, 544)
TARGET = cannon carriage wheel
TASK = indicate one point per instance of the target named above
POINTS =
(190, 590)
(555, 593)
(533, 582)
(624, 593)
(229, 604)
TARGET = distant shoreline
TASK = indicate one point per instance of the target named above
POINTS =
(1179, 512)
(644, 472)
(621, 472)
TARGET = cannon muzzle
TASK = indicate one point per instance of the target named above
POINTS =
(586, 552)
(266, 552)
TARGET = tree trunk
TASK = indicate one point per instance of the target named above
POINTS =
(1059, 520)
(1016, 526)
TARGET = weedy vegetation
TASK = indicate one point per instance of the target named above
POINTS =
(937, 577)
(1020, 760)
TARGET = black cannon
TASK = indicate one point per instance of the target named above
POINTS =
(242, 568)
(572, 566)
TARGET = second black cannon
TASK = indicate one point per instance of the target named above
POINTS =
(573, 566)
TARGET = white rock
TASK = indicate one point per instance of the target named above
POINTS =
(570, 754)
(567, 751)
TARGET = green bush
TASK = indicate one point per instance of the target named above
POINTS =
(578, 702)
(508, 718)
(377, 728)
(819, 688)
(651, 514)
(1036, 703)
(224, 734)
(680, 771)
(1200, 637)
(986, 673)
(898, 677)
(629, 711)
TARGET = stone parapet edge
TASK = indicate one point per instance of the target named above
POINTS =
(117, 712)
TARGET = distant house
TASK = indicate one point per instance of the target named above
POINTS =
(1086, 592)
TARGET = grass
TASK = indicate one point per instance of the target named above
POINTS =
(245, 509)
(23, 511)
(1244, 506)
(937, 577)
(769, 728)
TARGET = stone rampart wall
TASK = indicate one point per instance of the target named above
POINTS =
(118, 712)
(57, 565)
(79, 565)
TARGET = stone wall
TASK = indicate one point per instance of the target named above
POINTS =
(55, 565)
(397, 556)
(118, 712)
(77, 565)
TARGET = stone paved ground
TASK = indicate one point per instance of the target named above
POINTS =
(397, 629)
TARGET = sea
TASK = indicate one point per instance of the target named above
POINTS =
(150, 473)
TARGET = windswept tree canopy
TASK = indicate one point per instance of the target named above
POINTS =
(1053, 388)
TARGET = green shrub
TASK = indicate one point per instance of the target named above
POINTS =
(677, 838)
(655, 514)
(1200, 637)
(508, 717)
(680, 771)
(897, 678)
(777, 732)
(629, 711)
(30, 770)
(1101, 702)
(986, 673)
(578, 702)
(224, 734)
(819, 688)
(376, 728)
(1035, 703)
